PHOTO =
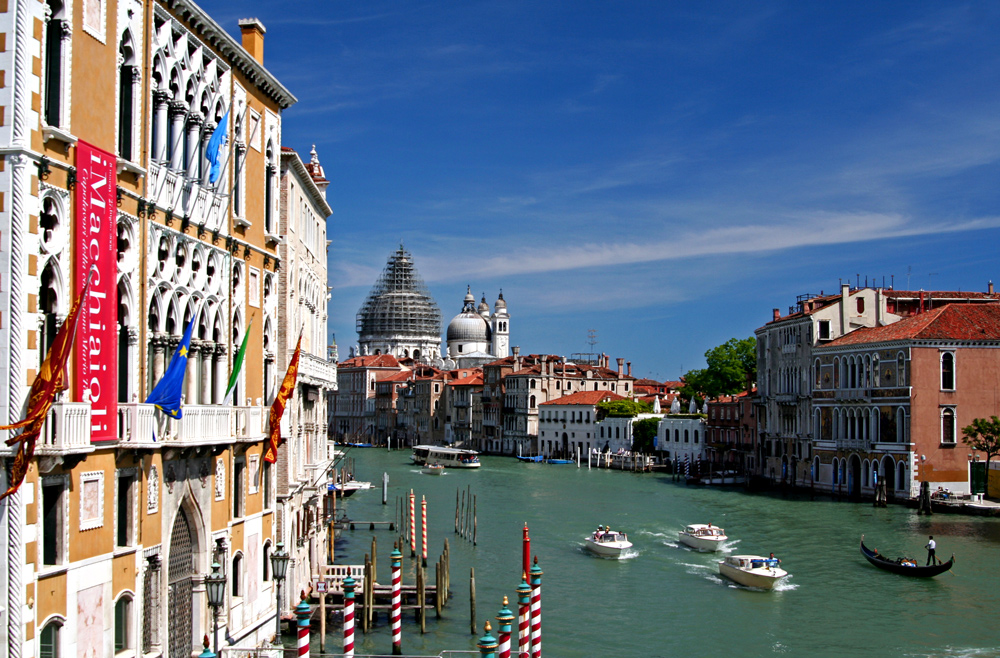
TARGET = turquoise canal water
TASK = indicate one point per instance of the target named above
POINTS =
(666, 600)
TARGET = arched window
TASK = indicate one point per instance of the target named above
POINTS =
(947, 425)
(266, 564)
(56, 30)
(531, 402)
(49, 641)
(123, 624)
(900, 369)
(947, 371)
(237, 575)
(127, 77)
(269, 172)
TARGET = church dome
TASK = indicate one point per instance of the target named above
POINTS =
(469, 325)
(484, 308)
(501, 305)
(399, 305)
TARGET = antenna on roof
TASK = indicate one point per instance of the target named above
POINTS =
(909, 271)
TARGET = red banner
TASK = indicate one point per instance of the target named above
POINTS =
(96, 237)
(278, 406)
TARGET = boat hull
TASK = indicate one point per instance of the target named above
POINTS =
(763, 578)
(708, 544)
(449, 457)
(430, 470)
(913, 572)
(608, 549)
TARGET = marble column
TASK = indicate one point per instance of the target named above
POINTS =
(207, 371)
(191, 376)
(221, 374)
(159, 345)
(193, 163)
(159, 126)
(176, 146)
(133, 365)
(206, 136)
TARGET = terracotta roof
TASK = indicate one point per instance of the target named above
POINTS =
(586, 397)
(401, 376)
(471, 380)
(371, 361)
(958, 322)
(940, 294)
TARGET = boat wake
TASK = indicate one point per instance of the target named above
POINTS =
(784, 585)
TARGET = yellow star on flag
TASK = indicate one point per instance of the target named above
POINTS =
(183, 351)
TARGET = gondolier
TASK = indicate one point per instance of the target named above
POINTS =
(931, 547)
(904, 566)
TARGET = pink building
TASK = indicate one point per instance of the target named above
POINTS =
(890, 401)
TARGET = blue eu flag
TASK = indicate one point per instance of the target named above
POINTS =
(212, 152)
(166, 395)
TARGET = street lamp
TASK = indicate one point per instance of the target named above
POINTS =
(279, 565)
(215, 584)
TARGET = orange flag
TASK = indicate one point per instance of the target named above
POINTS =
(278, 406)
(50, 381)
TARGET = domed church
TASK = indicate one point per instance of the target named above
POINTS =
(475, 336)
(400, 317)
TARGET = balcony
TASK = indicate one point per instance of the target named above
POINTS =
(135, 424)
(317, 371)
(66, 430)
(211, 425)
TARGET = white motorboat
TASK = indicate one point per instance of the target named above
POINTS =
(752, 570)
(702, 537)
(608, 543)
(350, 487)
(452, 457)
(433, 469)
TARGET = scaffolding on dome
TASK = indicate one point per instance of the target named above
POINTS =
(399, 304)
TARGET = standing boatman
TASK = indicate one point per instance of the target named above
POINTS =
(931, 546)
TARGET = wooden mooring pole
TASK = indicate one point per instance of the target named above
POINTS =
(472, 598)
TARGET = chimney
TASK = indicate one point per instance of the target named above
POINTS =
(989, 288)
(776, 314)
(621, 366)
(845, 294)
(921, 309)
(517, 358)
(629, 364)
(253, 38)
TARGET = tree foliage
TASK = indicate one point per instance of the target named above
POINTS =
(644, 434)
(621, 409)
(732, 368)
(984, 435)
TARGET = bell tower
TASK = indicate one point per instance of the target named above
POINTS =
(500, 324)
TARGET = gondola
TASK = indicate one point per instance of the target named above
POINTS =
(901, 569)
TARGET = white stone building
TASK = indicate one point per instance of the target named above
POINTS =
(681, 438)
(304, 466)
(569, 424)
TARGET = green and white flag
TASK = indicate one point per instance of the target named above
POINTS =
(237, 366)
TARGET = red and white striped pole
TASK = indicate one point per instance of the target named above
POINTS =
(523, 611)
(349, 616)
(413, 525)
(536, 610)
(397, 587)
(423, 530)
(303, 612)
(504, 618)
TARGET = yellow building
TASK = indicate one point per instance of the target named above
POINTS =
(108, 541)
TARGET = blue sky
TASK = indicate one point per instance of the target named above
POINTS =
(664, 173)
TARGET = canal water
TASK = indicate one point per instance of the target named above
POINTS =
(666, 600)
